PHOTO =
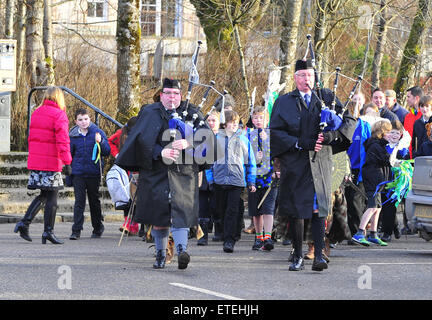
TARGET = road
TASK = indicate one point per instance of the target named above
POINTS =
(98, 269)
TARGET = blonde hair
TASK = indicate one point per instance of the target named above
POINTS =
(371, 106)
(380, 128)
(55, 94)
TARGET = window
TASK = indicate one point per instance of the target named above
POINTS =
(97, 9)
(161, 18)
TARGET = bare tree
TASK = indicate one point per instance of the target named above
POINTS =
(290, 20)
(128, 59)
(48, 42)
(9, 14)
(35, 53)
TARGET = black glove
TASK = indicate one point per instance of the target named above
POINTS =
(307, 144)
(67, 170)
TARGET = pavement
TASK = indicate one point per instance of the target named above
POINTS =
(100, 269)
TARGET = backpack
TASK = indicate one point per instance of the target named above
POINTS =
(118, 187)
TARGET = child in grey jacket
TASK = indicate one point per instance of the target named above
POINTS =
(230, 174)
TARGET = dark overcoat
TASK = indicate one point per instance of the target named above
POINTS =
(301, 178)
(167, 194)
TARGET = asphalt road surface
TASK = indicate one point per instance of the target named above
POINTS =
(98, 269)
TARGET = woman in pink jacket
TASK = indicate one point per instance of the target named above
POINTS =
(49, 151)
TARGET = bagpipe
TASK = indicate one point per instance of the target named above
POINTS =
(330, 119)
(179, 122)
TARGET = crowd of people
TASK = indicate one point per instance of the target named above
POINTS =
(280, 163)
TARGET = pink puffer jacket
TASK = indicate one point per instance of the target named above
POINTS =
(48, 141)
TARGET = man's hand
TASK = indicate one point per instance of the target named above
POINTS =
(180, 144)
(259, 156)
(98, 137)
(252, 188)
(318, 144)
(171, 154)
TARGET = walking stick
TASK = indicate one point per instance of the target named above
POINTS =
(129, 216)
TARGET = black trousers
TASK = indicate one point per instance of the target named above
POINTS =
(228, 210)
(318, 233)
(89, 186)
(356, 204)
(388, 216)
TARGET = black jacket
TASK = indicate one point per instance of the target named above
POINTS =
(166, 194)
(376, 168)
(292, 121)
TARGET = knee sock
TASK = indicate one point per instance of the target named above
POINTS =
(161, 239)
(296, 227)
(318, 233)
(180, 236)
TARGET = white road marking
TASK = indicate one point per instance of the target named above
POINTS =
(400, 263)
(213, 293)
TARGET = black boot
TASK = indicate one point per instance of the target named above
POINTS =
(203, 222)
(49, 235)
(23, 226)
(183, 257)
(160, 259)
(49, 220)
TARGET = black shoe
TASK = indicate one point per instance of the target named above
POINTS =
(160, 260)
(183, 260)
(268, 245)
(74, 236)
(257, 244)
(406, 231)
(286, 242)
(386, 237)
(23, 229)
(319, 264)
(98, 234)
(50, 236)
(297, 264)
(397, 233)
(228, 247)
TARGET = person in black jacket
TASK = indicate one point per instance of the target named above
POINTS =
(305, 182)
(167, 196)
(419, 129)
(87, 172)
(376, 169)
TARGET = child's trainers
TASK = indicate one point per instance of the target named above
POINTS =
(360, 239)
(377, 241)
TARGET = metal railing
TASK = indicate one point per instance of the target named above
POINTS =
(72, 93)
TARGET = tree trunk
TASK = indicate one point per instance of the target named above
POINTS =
(35, 53)
(20, 36)
(9, 15)
(48, 42)
(380, 45)
(413, 49)
(288, 44)
(242, 64)
(128, 59)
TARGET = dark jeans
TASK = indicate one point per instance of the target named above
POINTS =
(91, 186)
(388, 216)
(228, 205)
(356, 204)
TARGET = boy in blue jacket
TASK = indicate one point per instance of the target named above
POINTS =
(87, 171)
(230, 174)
